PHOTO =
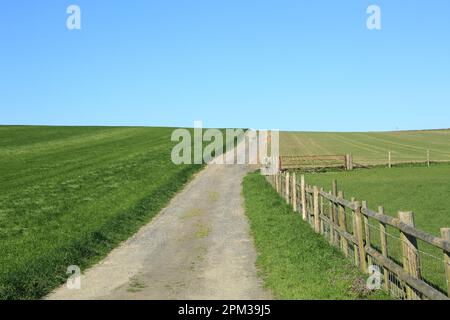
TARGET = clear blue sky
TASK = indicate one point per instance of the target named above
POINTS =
(300, 65)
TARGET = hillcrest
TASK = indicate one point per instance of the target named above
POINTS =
(242, 146)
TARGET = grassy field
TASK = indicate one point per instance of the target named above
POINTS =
(294, 262)
(370, 147)
(68, 195)
(419, 189)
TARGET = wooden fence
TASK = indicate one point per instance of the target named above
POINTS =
(315, 162)
(349, 161)
(349, 225)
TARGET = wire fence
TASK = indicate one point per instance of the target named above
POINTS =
(413, 264)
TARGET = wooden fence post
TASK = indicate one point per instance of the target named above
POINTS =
(316, 210)
(334, 212)
(367, 231)
(349, 162)
(384, 248)
(310, 204)
(330, 226)
(355, 247)
(360, 237)
(389, 164)
(294, 192)
(410, 252)
(303, 196)
(428, 158)
(343, 224)
(321, 211)
(280, 183)
(287, 187)
(445, 232)
(277, 182)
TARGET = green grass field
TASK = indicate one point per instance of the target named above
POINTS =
(371, 147)
(68, 195)
(419, 189)
(295, 262)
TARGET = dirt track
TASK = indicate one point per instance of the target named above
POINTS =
(199, 247)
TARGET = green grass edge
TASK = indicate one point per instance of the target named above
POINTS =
(294, 262)
(35, 280)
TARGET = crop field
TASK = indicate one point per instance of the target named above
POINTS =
(414, 188)
(68, 195)
(370, 148)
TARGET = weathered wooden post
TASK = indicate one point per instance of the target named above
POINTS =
(360, 236)
(389, 160)
(321, 210)
(410, 252)
(277, 182)
(332, 225)
(294, 192)
(287, 187)
(349, 162)
(367, 230)
(445, 232)
(428, 158)
(282, 177)
(303, 196)
(384, 248)
(343, 224)
(355, 246)
(309, 205)
(316, 210)
(281, 184)
(334, 212)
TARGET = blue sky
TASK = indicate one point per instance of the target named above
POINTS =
(293, 65)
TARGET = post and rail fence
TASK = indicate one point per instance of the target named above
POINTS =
(349, 224)
(347, 161)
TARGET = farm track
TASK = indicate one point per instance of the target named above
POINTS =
(198, 247)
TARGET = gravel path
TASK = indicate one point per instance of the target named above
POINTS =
(198, 247)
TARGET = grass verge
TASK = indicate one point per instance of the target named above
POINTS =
(294, 262)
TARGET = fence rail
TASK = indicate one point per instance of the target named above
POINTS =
(313, 161)
(349, 161)
(349, 225)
